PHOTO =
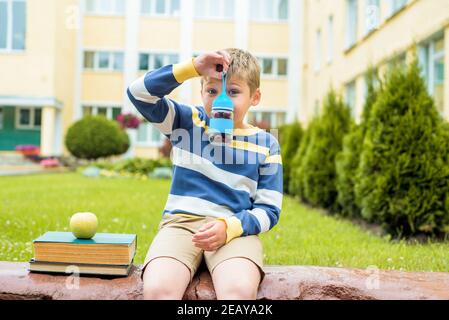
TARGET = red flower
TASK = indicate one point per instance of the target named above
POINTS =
(128, 121)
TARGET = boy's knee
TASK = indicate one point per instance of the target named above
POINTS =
(155, 289)
(164, 281)
(242, 290)
(160, 291)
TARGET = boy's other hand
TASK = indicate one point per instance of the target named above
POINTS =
(206, 64)
(210, 236)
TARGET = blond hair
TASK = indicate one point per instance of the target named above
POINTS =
(243, 66)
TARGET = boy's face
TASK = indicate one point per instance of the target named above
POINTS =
(237, 90)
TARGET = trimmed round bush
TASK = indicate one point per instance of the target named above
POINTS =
(96, 137)
(404, 170)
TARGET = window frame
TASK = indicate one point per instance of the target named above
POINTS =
(351, 26)
(10, 25)
(369, 4)
(149, 133)
(330, 39)
(365, 83)
(221, 8)
(317, 56)
(95, 106)
(274, 75)
(97, 11)
(31, 125)
(167, 12)
(262, 8)
(353, 85)
(167, 56)
(427, 59)
(394, 8)
(96, 60)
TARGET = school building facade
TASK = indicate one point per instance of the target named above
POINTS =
(343, 38)
(63, 59)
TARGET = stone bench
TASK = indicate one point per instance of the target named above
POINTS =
(280, 283)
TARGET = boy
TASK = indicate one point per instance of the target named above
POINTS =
(221, 197)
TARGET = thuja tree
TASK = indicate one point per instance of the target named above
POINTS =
(290, 137)
(318, 167)
(347, 161)
(404, 172)
(296, 181)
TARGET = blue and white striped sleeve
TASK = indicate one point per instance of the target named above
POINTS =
(148, 95)
(267, 204)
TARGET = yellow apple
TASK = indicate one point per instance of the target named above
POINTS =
(83, 225)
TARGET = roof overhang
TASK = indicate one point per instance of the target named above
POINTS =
(30, 101)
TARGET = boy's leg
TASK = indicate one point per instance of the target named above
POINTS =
(165, 278)
(237, 268)
(172, 259)
(236, 279)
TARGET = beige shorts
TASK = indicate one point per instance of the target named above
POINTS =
(174, 240)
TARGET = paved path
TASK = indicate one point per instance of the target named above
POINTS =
(27, 169)
(14, 164)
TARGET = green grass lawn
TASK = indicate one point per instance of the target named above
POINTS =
(32, 205)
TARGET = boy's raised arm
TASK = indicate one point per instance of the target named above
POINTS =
(148, 94)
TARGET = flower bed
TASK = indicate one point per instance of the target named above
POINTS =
(28, 150)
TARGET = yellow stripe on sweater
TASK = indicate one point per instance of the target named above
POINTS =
(244, 145)
(184, 71)
(274, 159)
(233, 228)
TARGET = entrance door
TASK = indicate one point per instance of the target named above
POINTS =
(18, 126)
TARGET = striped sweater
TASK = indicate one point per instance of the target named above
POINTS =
(240, 183)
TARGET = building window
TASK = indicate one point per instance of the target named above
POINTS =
(351, 23)
(330, 39)
(281, 67)
(151, 61)
(395, 6)
(372, 15)
(318, 50)
(351, 97)
(431, 58)
(106, 7)
(110, 112)
(223, 9)
(376, 82)
(103, 61)
(28, 118)
(269, 10)
(148, 134)
(161, 7)
(12, 24)
(267, 66)
(274, 67)
(271, 119)
(117, 61)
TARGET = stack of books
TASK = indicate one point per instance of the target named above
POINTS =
(109, 254)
